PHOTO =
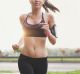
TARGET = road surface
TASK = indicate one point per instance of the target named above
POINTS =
(12, 66)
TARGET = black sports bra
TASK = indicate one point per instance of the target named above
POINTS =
(34, 30)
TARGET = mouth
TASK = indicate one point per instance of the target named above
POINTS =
(37, 3)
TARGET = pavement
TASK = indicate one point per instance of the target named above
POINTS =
(12, 67)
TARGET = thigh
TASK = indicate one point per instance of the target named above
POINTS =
(41, 67)
(25, 67)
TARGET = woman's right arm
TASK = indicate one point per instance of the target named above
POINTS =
(17, 45)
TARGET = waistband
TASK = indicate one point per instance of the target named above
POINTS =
(28, 57)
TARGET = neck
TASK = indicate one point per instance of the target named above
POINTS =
(36, 12)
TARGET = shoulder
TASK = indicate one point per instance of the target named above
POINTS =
(50, 16)
(51, 20)
(22, 18)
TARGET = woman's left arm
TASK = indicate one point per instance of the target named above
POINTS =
(51, 23)
(47, 30)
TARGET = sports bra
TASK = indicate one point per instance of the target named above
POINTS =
(34, 30)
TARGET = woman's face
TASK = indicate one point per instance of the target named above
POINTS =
(37, 3)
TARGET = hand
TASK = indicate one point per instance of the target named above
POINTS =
(46, 29)
(15, 46)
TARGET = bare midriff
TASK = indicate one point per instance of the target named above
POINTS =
(34, 47)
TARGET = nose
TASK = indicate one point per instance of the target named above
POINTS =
(37, 0)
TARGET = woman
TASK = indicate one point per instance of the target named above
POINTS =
(36, 26)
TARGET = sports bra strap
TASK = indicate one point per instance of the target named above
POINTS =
(42, 18)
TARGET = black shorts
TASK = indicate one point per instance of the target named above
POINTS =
(29, 65)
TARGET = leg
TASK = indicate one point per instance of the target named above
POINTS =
(24, 66)
(40, 66)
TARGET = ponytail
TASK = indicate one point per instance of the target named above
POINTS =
(47, 5)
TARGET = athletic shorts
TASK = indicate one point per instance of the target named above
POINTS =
(29, 65)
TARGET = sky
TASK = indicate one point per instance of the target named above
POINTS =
(67, 22)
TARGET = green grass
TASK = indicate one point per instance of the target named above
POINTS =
(64, 59)
(71, 72)
(6, 72)
(9, 59)
(49, 59)
(54, 59)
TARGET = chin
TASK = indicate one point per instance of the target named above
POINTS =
(37, 7)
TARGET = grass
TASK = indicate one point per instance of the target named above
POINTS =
(49, 59)
(64, 59)
(8, 59)
(71, 72)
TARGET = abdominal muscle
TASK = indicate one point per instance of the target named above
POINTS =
(34, 47)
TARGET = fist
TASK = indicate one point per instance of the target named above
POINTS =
(45, 26)
(15, 46)
(46, 29)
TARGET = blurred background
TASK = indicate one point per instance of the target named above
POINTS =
(67, 28)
